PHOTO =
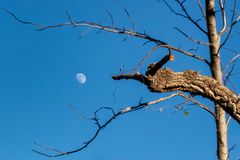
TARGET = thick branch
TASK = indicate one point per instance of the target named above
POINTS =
(166, 80)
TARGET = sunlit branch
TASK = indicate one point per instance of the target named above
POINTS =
(224, 19)
(234, 59)
(228, 120)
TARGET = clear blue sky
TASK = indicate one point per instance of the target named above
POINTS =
(37, 82)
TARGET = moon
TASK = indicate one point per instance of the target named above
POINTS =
(81, 78)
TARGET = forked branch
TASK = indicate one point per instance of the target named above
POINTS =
(185, 14)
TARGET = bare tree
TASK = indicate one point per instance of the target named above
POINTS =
(186, 84)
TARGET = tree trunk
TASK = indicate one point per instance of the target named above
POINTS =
(214, 40)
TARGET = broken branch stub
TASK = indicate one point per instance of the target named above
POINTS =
(166, 80)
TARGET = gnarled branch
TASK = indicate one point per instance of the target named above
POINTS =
(166, 80)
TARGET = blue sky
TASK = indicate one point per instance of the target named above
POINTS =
(37, 82)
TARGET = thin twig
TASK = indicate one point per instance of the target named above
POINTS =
(185, 15)
(233, 60)
(231, 149)
(228, 120)
(201, 8)
(127, 13)
(179, 106)
(189, 37)
(197, 103)
(78, 112)
(148, 54)
(21, 21)
(172, 10)
(229, 74)
(189, 17)
(111, 17)
(69, 17)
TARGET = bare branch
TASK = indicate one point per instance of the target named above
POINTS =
(189, 37)
(145, 57)
(21, 21)
(229, 30)
(224, 20)
(197, 103)
(229, 74)
(123, 111)
(84, 32)
(179, 106)
(115, 30)
(111, 17)
(189, 17)
(231, 149)
(233, 60)
(128, 15)
(232, 85)
(233, 22)
(78, 112)
(48, 148)
(190, 54)
(172, 10)
(228, 120)
(149, 53)
(201, 8)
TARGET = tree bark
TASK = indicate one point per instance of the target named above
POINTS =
(214, 40)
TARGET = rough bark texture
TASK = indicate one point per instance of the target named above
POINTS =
(166, 80)
(214, 40)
